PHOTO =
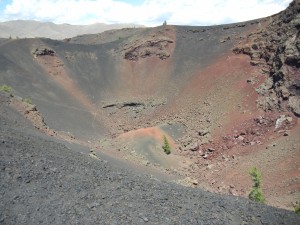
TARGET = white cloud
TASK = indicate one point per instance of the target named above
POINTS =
(151, 12)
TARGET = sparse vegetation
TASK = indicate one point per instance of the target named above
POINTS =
(27, 100)
(6, 88)
(166, 147)
(297, 207)
(256, 193)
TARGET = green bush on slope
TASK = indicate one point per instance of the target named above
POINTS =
(256, 193)
(6, 88)
(166, 147)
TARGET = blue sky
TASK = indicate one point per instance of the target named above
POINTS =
(145, 12)
(3, 3)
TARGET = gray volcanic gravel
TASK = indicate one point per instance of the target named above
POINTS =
(44, 182)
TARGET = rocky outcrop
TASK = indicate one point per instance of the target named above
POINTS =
(156, 44)
(124, 104)
(251, 132)
(43, 51)
(30, 112)
(155, 47)
(276, 49)
(294, 105)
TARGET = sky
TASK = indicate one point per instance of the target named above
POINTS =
(143, 12)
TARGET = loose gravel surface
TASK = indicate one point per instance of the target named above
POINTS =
(44, 182)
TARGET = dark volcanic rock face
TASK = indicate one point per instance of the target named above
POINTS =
(276, 48)
(43, 51)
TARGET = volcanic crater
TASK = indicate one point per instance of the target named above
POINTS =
(226, 97)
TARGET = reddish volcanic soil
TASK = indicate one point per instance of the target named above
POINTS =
(275, 152)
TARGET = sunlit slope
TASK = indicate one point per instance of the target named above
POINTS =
(87, 89)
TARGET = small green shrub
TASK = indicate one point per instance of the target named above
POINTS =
(27, 100)
(256, 193)
(297, 207)
(166, 147)
(6, 88)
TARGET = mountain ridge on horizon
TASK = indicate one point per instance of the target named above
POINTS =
(33, 29)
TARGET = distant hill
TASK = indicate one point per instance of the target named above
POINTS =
(32, 29)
